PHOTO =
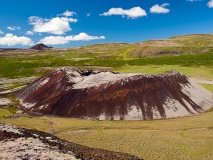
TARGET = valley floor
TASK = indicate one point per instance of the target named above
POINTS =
(183, 138)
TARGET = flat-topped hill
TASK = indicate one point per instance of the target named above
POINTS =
(104, 95)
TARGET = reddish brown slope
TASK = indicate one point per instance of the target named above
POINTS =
(106, 95)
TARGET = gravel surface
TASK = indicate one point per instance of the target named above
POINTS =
(30, 148)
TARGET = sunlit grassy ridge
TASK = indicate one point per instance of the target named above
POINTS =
(199, 40)
(183, 138)
(110, 50)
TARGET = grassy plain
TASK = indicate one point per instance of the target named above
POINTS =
(208, 86)
(193, 71)
(36, 65)
(183, 138)
(4, 112)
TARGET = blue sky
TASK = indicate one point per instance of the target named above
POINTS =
(70, 23)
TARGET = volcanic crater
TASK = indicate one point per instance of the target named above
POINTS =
(104, 95)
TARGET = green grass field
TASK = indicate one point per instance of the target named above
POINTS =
(4, 112)
(36, 65)
(201, 71)
(208, 86)
(184, 138)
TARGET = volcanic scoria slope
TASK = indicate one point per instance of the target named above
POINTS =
(104, 95)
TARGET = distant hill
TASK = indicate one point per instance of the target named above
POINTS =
(184, 44)
(40, 46)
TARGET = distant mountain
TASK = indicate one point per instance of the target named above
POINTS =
(106, 95)
(40, 46)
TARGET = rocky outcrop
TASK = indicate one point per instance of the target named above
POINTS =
(20, 143)
(107, 95)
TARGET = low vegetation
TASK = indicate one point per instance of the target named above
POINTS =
(208, 86)
(4, 112)
(201, 71)
(12, 108)
(183, 138)
(23, 66)
(8, 110)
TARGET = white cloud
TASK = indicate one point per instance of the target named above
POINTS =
(11, 40)
(134, 12)
(67, 14)
(210, 4)
(88, 14)
(57, 25)
(29, 33)
(13, 28)
(1, 32)
(53, 40)
(84, 37)
(159, 9)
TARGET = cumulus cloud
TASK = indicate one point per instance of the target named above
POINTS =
(11, 40)
(210, 4)
(13, 28)
(53, 40)
(1, 32)
(67, 14)
(159, 9)
(29, 33)
(133, 13)
(56, 25)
